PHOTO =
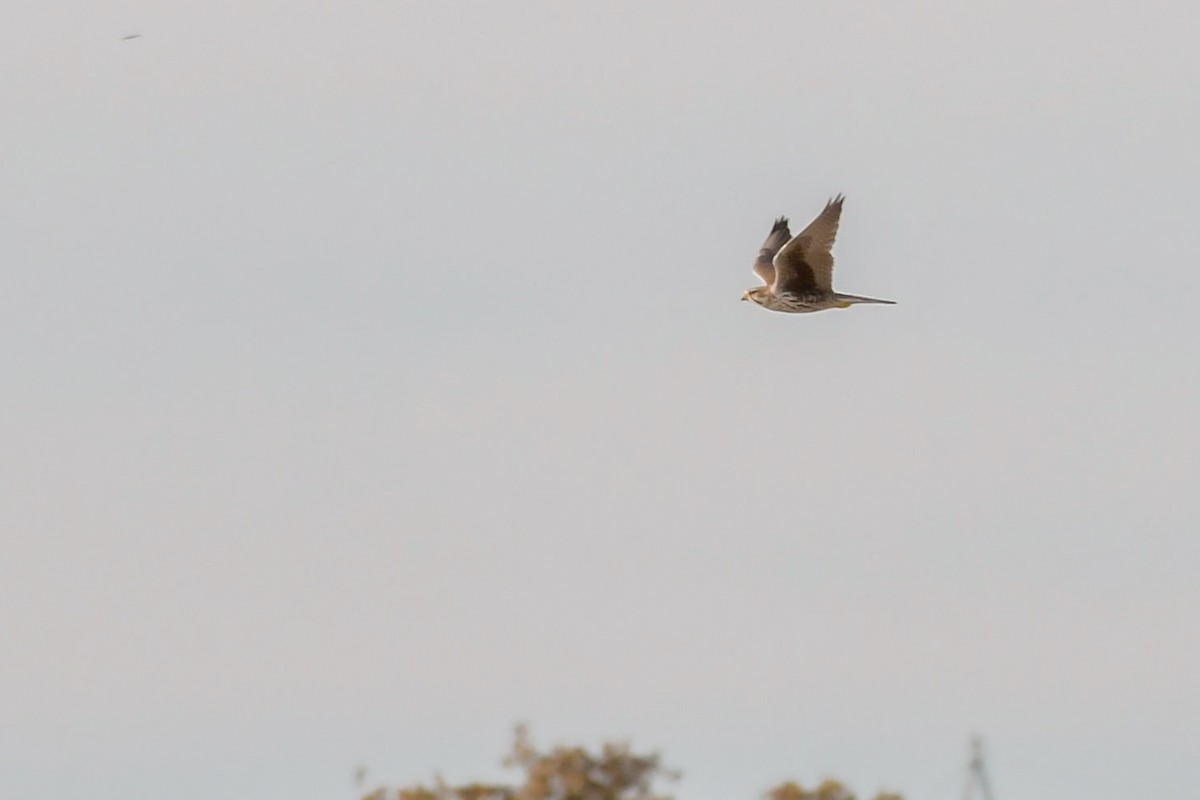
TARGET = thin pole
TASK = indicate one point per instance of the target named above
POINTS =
(977, 778)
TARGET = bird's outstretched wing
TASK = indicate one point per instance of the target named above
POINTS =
(763, 265)
(805, 262)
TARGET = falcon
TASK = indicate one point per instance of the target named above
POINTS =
(798, 270)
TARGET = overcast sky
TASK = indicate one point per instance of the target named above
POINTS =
(375, 378)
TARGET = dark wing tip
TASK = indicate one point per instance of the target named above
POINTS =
(780, 224)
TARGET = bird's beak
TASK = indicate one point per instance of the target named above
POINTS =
(743, 295)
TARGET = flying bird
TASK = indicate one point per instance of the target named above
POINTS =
(798, 270)
(130, 36)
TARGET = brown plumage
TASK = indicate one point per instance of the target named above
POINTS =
(806, 263)
(764, 266)
(798, 270)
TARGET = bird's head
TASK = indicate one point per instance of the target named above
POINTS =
(756, 295)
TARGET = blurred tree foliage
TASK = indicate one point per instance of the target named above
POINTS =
(573, 773)
(826, 790)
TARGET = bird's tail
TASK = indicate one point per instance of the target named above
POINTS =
(848, 300)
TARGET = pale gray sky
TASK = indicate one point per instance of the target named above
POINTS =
(376, 378)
